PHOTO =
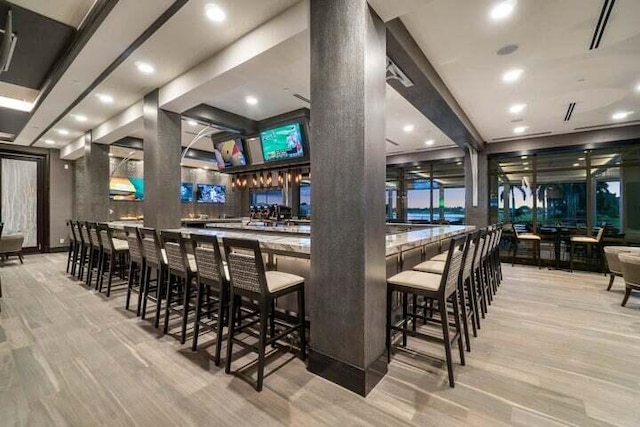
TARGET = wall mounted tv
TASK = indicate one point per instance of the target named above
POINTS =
(207, 193)
(131, 188)
(229, 154)
(282, 143)
(186, 192)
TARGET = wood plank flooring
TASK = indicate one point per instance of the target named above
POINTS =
(556, 349)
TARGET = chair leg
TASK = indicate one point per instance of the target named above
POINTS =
(185, 309)
(456, 313)
(303, 327)
(159, 284)
(168, 303)
(444, 320)
(90, 267)
(388, 337)
(627, 294)
(129, 285)
(196, 324)
(571, 254)
(145, 291)
(612, 277)
(474, 300)
(69, 258)
(230, 333)
(272, 322)
(142, 271)
(112, 264)
(405, 302)
(222, 306)
(262, 341)
(415, 312)
(465, 323)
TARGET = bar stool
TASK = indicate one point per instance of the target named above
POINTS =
(438, 267)
(587, 241)
(630, 263)
(534, 239)
(96, 254)
(73, 245)
(114, 251)
(84, 248)
(136, 266)
(182, 273)
(78, 247)
(478, 277)
(250, 280)
(440, 288)
(212, 278)
(155, 260)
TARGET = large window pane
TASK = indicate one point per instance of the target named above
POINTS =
(305, 199)
(267, 197)
(562, 189)
(419, 200)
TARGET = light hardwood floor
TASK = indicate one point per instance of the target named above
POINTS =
(555, 349)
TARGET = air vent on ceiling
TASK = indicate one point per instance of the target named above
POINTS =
(392, 142)
(598, 32)
(505, 138)
(302, 98)
(569, 113)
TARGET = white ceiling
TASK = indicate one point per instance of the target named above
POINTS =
(553, 36)
(70, 12)
(184, 41)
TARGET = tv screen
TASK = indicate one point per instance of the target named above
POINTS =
(282, 143)
(186, 192)
(131, 188)
(229, 154)
(208, 193)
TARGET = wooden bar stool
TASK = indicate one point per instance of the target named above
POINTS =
(250, 280)
(212, 278)
(78, 247)
(84, 249)
(96, 254)
(136, 266)
(114, 253)
(182, 273)
(589, 242)
(531, 238)
(440, 288)
(155, 260)
(73, 245)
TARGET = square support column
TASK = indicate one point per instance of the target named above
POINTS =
(348, 284)
(477, 215)
(91, 183)
(162, 155)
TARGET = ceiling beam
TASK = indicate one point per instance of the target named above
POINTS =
(429, 94)
(222, 119)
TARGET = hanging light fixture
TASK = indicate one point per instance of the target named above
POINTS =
(255, 180)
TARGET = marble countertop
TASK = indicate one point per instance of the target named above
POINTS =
(259, 226)
(301, 245)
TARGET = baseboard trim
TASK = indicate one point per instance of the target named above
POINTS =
(353, 378)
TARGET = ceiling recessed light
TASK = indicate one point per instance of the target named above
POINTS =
(459, 163)
(63, 132)
(525, 163)
(517, 108)
(49, 141)
(575, 165)
(502, 10)
(408, 128)
(104, 98)
(192, 122)
(581, 159)
(519, 129)
(621, 115)
(429, 142)
(638, 88)
(523, 157)
(145, 68)
(526, 168)
(214, 12)
(110, 154)
(512, 75)
(79, 118)
(251, 100)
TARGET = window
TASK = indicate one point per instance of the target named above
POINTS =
(305, 199)
(419, 200)
(267, 197)
(391, 200)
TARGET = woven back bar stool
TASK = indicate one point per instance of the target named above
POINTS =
(114, 252)
(136, 266)
(182, 273)
(84, 249)
(589, 242)
(478, 277)
(73, 245)
(212, 299)
(155, 261)
(75, 262)
(250, 280)
(96, 254)
(442, 288)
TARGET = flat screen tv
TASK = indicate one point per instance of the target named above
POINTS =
(208, 193)
(282, 143)
(131, 188)
(229, 154)
(186, 192)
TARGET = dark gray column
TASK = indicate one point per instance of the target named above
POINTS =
(162, 154)
(477, 215)
(347, 292)
(91, 183)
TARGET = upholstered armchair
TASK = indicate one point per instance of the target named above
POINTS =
(11, 245)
